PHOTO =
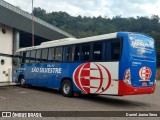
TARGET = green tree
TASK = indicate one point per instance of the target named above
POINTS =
(86, 26)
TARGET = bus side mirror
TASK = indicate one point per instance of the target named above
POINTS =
(16, 61)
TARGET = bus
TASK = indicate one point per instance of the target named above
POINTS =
(121, 63)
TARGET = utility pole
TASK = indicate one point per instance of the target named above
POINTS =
(32, 25)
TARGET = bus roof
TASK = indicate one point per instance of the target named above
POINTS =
(68, 41)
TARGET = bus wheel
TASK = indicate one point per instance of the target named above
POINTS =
(66, 88)
(22, 82)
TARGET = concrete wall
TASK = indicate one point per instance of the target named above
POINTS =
(6, 50)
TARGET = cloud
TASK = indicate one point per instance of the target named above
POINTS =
(134, 7)
(109, 8)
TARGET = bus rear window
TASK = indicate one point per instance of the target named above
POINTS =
(142, 47)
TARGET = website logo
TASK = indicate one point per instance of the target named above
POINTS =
(6, 114)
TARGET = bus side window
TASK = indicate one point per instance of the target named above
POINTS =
(32, 58)
(76, 53)
(115, 50)
(44, 55)
(17, 58)
(97, 51)
(17, 55)
(38, 56)
(58, 54)
(51, 55)
(23, 57)
(67, 53)
(20, 57)
(85, 52)
(27, 57)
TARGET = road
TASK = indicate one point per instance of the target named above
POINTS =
(16, 98)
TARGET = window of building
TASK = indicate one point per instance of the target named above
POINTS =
(3, 31)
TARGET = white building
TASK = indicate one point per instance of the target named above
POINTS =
(15, 32)
(6, 52)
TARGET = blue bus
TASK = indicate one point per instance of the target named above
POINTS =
(121, 63)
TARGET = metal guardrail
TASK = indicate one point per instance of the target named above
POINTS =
(29, 16)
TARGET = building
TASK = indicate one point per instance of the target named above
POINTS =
(15, 32)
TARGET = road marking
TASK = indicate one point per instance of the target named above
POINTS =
(2, 97)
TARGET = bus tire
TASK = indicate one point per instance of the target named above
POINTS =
(66, 88)
(22, 82)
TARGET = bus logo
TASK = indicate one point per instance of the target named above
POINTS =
(145, 73)
(92, 78)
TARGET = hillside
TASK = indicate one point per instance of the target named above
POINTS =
(87, 26)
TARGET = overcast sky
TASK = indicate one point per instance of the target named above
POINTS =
(105, 8)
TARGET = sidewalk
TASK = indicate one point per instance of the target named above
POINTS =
(7, 83)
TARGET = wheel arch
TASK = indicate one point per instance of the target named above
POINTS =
(66, 78)
(75, 88)
(20, 76)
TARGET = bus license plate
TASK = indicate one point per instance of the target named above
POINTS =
(144, 83)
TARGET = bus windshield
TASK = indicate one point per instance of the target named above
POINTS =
(142, 47)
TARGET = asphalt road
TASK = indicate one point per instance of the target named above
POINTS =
(16, 98)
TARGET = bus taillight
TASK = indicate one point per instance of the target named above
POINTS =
(127, 76)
